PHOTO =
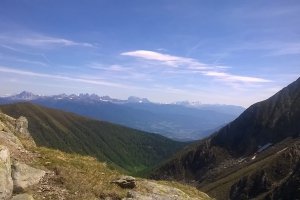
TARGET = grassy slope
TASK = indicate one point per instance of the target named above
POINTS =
(86, 178)
(126, 148)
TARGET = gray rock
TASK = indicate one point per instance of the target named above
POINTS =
(22, 127)
(24, 196)
(8, 121)
(9, 140)
(24, 176)
(154, 191)
(6, 183)
(125, 182)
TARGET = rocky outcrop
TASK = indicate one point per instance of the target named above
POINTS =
(24, 176)
(12, 131)
(21, 127)
(153, 191)
(6, 184)
(10, 128)
(7, 122)
(9, 140)
(16, 178)
(125, 182)
(14, 175)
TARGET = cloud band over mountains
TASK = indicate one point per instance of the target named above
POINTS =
(192, 65)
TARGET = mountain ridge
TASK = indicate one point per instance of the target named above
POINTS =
(271, 112)
(229, 163)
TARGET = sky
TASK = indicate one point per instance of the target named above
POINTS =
(225, 52)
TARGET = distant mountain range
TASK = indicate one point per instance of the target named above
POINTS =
(180, 121)
(256, 156)
(29, 96)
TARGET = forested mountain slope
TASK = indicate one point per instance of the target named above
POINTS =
(123, 147)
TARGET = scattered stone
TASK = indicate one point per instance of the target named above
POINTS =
(125, 182)
(24, 196)
(6, 183)
(51, 188)
(24, 176)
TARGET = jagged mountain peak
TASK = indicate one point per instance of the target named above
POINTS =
(134, 99)
(25, 95)
(28, 96)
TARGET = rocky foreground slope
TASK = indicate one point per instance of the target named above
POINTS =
(15, 175)
(28, 172)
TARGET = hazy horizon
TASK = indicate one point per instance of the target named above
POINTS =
(235, 52)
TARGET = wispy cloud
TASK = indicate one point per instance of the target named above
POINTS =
(151, 55)
(62, 77)
(170, 60)
(230, 77)
(113, 68)
(39, 41)
(189, 65)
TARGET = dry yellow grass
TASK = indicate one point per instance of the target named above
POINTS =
(83, 176)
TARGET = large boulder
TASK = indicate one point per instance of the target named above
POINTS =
(6, 183)
(24, 176)
(153, 191)
(125, 182)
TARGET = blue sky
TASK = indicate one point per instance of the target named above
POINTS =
(228, 52)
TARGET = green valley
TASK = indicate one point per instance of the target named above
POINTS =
(124, 148)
